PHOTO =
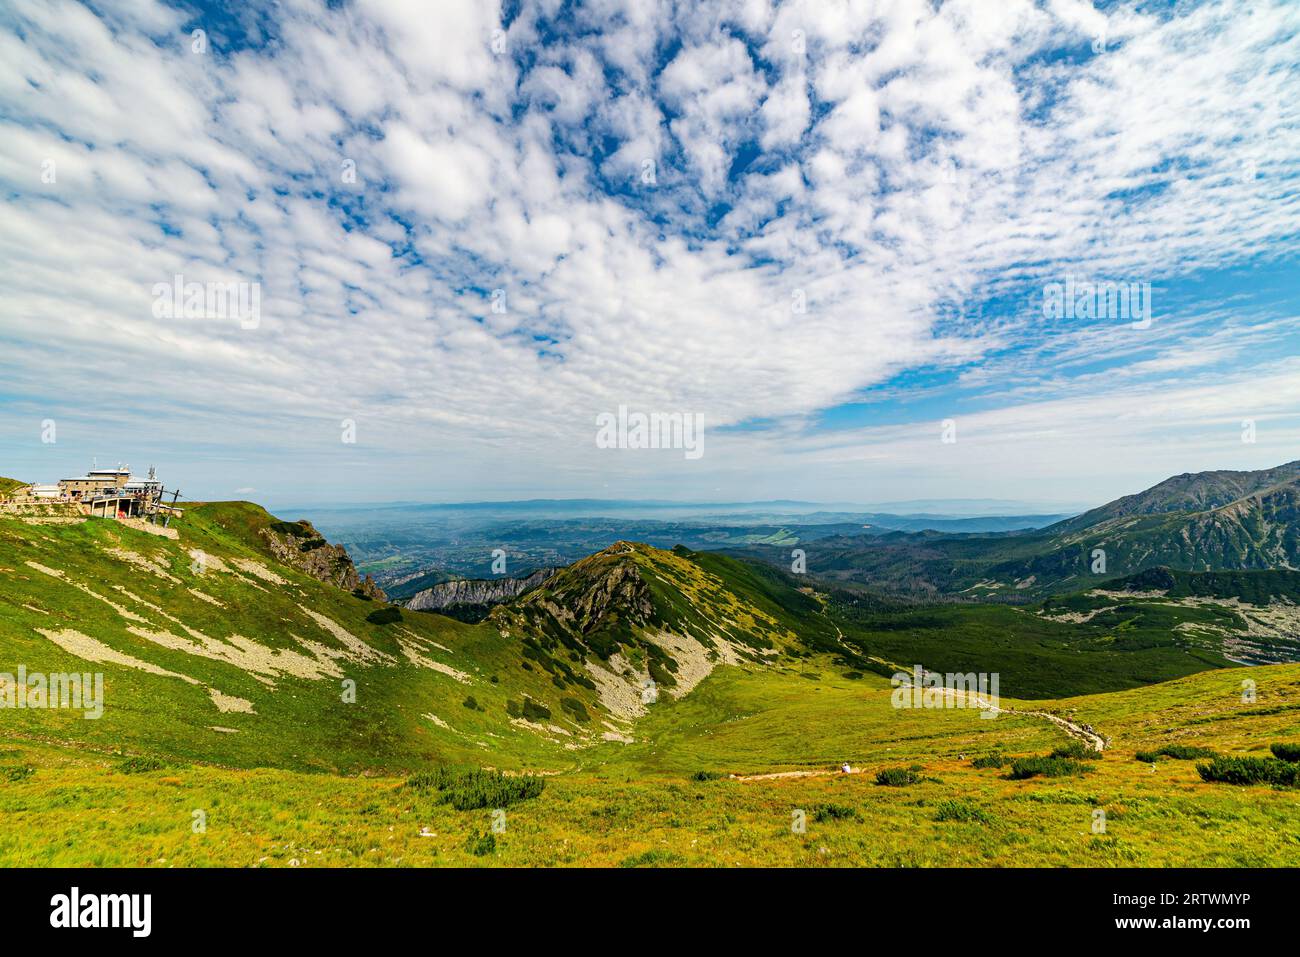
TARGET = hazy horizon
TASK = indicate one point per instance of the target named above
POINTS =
(461, 267)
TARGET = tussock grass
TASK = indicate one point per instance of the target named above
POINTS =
(962, 811)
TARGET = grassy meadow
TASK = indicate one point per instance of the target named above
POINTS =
(658, 802)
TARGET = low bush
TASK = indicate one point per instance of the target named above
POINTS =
(534, 711)
(385, 616)
(1284, 752)
(835, 812)
(1076, 750)
(17, 773)
(707, 775)
(962, 811)
(575, 708)
(896, 777)
(994, 760)
(1251, 771)
(296, 529)
(469, 790)
(1048, 767)
(1179, 752)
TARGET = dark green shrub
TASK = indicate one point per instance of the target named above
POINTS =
(1251, 771)
(514, 710)
(835, 812)
(962, 811)
(896, 777)
(575, 708)
(1048, 767)
(18, 773)
(994, 760)
(1284, 752)
(1179, 752)
(706, 775)
(385, 616)
(470, 703)
(1076, 750)
(311, 545)
(469, 790)
(534, 711)
(1186, 752)
(660, 673)
(296, 529)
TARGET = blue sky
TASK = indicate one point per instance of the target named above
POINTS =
(825, 228)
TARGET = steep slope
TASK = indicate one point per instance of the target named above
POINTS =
(634, 621)
(470, 599)
(1189, 492)
(300, 546)
(223, 639)
(211, 649)
(1258, 531)
(403, 586)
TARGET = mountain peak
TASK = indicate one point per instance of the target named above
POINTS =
(1187, 492)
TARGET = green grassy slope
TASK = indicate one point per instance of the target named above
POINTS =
(641, 805)
(235, 658)
(214, 608)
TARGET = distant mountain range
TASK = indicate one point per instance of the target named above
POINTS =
(1194, 522)
(1189, 492)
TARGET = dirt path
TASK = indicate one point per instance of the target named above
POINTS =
(1084, 734)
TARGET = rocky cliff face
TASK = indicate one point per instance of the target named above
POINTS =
(475, 592)
(300, 546)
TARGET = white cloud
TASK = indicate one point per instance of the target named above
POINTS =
(914, 157)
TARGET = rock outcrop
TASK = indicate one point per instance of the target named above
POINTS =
(300, 546)
(478, 593)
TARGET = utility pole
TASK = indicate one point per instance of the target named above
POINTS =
(176, 493)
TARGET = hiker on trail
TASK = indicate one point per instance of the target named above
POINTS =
(845, 768)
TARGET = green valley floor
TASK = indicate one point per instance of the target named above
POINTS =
(689, 791)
